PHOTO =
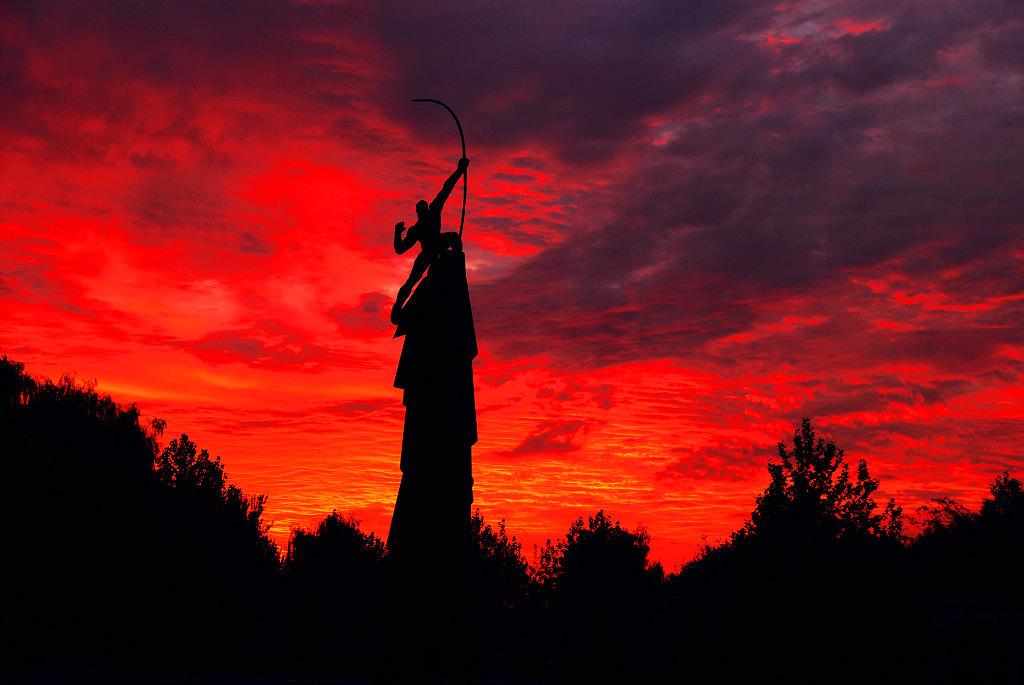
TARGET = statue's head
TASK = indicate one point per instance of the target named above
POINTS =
(421, 208)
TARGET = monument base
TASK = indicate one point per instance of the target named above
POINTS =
(429, 540)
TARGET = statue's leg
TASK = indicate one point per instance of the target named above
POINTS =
(419, 267)
(403, 295)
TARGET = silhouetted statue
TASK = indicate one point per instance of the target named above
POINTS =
(426, 230)
(430, 530)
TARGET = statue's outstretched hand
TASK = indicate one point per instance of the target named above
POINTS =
(463, 163)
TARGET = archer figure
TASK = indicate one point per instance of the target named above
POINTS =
(426, 230)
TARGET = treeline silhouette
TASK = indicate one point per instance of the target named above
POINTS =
(123, 555)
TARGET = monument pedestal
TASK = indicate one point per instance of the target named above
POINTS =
(430, 532)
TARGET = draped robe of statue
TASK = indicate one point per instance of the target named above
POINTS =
(430, 532)
(436, 373)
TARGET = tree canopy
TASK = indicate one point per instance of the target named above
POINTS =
(118, 534)
(500, 575)
(812, 496)
(130, 554)
(598, 553)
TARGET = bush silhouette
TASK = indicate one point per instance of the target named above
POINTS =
(598, 556)
(601, 590)
(965, 554)
(811, 567)
(231, 521)
(335, 595)
(499, 574)
(126, 555)
(966, 568)
(78, 477)
(112, 564)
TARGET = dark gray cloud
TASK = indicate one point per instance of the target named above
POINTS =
(874, 155)
(734, 462)
(801, 151)
(271, 345)
(553, 436)
(578, 78)
(367, 318)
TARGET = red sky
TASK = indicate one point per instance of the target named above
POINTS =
(689, 226)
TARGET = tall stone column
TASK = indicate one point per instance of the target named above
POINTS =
(429, 535)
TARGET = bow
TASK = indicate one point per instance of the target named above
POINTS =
(465, 172)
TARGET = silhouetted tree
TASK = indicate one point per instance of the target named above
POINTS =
(186, 469)
(942, 515)
(79, 485)
(503, 602)
(181, 465)
(336, 546)
(1007, 501)
(17, 388)
(966, 568)
(1004, 509)
(219, 535)
(499, 573)
(597, 554)
(969, 554)
(335, 575)
(812, 496)
(813, 566)
(601, 589)
(113, 565)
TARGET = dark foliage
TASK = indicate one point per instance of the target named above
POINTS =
(504, 607)
(601, 592)
(129, 556)
(979, 555)
(1006, 506)
(811, 498)
(335, 587)
(228, 522)
(807, 569)
(967, 568)
(499, 574)
(598, 555)
(336, 548)
(945, 514)
(78, 480)
(112, 563)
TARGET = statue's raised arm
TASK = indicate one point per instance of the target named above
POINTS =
(449, 186)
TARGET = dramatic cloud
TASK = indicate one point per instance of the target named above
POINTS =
(553, 437)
